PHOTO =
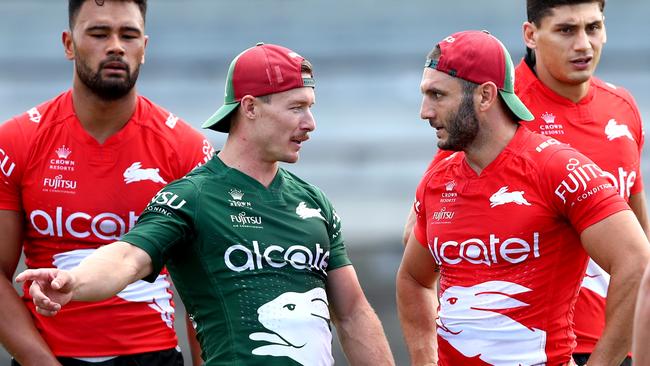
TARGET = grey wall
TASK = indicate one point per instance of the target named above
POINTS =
(370, 147)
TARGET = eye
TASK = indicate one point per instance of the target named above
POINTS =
(452, 300)
(291, 307)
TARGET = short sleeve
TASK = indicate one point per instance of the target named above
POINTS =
(338, 253)
(167, 221)
(579, 190)
(419, 207)
(12, 160)
(195, 150)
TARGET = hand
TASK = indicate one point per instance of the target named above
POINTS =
(51, 288)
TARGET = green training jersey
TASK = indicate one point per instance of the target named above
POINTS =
(249, 262)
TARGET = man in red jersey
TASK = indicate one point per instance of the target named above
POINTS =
(506, 223)
(602, 121)
(564, 41)
(76, 171)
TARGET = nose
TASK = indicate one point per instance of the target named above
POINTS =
(309, 122)
(582, 41)
(426, 109)
(115, 46)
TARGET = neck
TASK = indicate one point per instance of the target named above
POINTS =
(101, 118)
(235, 154)
(488, 144)
(573, 92)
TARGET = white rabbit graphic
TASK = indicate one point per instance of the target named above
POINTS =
(467, 321)
(502, 196)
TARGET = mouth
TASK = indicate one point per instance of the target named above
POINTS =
(299, 140)
(115, 67)
(442, 326)
(581, 62)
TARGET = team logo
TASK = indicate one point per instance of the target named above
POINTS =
(550, 127)
(502, 196)
(450, 186)
(171, 121)
(135, 173)
(449, 195)
(467, 313)
(62, 161)
(34, 115)
(306, 213)
(298, 327)
(614, 130)
(237, 199)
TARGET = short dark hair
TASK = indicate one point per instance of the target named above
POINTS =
(75, 5)
(539, 9)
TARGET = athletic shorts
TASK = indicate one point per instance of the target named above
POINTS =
(581, 359)
(170, 357)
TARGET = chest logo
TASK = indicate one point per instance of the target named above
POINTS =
(614, 130)
(306, 213)
(502, 196)
(298, 327)
(34, 115)
(136, 173)
(466, 313)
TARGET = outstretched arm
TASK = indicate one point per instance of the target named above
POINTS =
(360, 332)
(17, 331)
(619, 246)
(99, 276)
(417, 303)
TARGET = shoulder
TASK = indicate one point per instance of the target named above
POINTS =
(525, 78)
(166, 124)
(295, 183)
(38, 119)
(613, 92)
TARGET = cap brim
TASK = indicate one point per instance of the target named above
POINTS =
(516, 106)
(219, 121)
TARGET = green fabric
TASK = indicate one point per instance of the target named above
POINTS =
(249, 262)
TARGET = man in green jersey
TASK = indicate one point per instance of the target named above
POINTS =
(255, 252)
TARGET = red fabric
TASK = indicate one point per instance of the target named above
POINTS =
(518, 245)
(78, 195)
(616, 149)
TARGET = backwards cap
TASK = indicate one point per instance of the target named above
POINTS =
(478, 57)
(261, 70)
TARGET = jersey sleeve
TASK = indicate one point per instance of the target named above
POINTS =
(338, 253)
(12, 160)
(640, 138)
(166, 222)
(419, 207)
(579, 190)
(195, 150)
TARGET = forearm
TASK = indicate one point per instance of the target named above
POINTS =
(615, 341)
(18, 334)
(642, 323)
(416, 307)
(362, 338)
(104, 273)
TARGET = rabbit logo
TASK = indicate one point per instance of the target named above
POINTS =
(298, 327)
(502, 196)
(135, 173)
(614, 130)
(469, 322)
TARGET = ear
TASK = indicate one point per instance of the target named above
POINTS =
(529, 30)
(487, 96)
(146, 41)
(248, 107)
(68, 44)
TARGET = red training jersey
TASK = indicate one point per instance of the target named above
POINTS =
(507, 244)
(605, 126)
(78, 195)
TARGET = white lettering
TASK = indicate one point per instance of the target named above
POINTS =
(4, 163)
(298, 256)
(475, 251)
(105, 226)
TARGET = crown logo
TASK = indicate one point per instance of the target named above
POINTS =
(548, 117)
(450, 186)
(236, 194)
(63, 152)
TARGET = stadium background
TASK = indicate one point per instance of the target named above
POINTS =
(370, 147)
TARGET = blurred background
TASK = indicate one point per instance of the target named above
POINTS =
(370, 147)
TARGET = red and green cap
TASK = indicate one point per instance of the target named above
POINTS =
(261, 70)
(479, 57)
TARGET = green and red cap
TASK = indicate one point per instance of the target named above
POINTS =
(261, 70)
(479, 57)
